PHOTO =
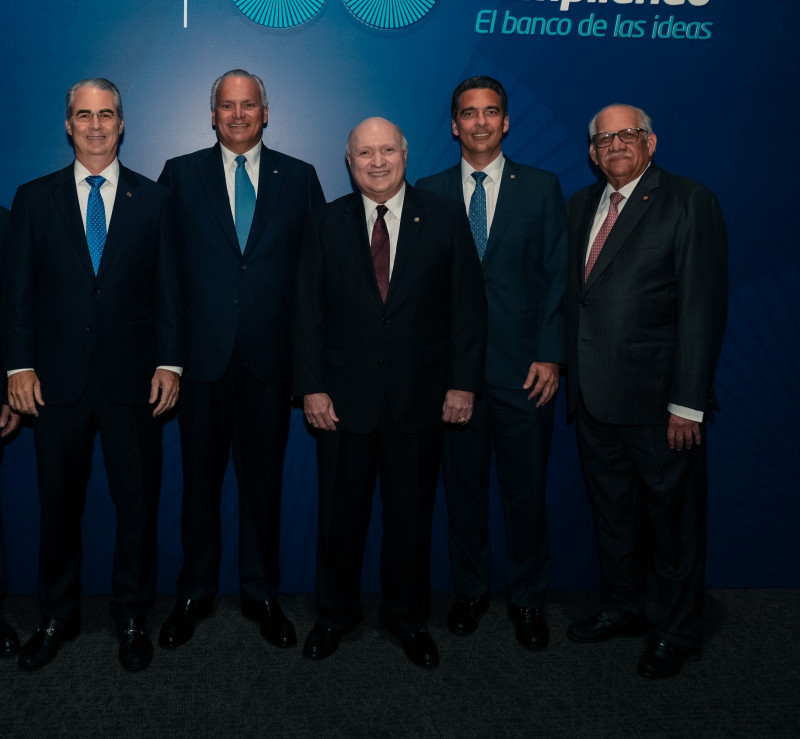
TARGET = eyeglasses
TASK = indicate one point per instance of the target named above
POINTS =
(104, 116)
(626, 136)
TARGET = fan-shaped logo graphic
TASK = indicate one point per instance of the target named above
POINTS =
(279, 13)
(389, 13)
(383, 14)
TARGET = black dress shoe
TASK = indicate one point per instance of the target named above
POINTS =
(43, 646)
(662, 659)
(275, 627)
(420, 648)
(180, 624)
(9, 642)
(532, 631)
(465, 615)
(321, 642)
(601, 627)
(135, 647)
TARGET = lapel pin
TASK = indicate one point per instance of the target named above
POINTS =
(274, 171)
(645, 197)
(129, 195)
(513, 176)
(416, 220)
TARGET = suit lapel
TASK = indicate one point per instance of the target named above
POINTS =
(125, 202)
(270, 179)
(640, 200)
(65, 195)
(357, 240)
(411, 221)
(211, 175)
(506, 205)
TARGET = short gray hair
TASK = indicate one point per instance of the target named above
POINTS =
(100, 83)
(238, 73)
(644, 120)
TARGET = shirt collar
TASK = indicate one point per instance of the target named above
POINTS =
(493, 170)
(110, 173)
(394, 204)
(253, 156)
(625, 190)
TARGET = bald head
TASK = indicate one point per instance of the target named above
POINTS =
(377, 153)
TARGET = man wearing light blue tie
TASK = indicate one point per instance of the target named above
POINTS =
(92, 340)
(241, 210)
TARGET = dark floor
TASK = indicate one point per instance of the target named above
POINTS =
(228, 682)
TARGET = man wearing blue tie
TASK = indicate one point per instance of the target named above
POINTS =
(92, 339)
(519, 226)
(241, 209)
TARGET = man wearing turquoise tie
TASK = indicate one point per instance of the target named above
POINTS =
(241, 209)
(519, 226)
(92, 340)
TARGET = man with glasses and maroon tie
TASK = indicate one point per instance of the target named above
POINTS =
(646, 310)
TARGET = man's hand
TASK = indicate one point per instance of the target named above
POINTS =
(164, 388)
(9, 421)
(457, 407)
(318, 408)
(545, 374)
(25, 392)
(682, 433)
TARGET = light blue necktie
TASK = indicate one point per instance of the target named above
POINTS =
(96, 220)
(477, 214)
(245, 195)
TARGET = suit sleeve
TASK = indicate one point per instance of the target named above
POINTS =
(3, 238)
(308, 330)
(18, 338)
(553, 280)
(701, 274)
(468, 312)
(170, 347)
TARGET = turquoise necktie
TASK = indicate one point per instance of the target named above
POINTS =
(96, 221)
(477, 214)
(245, 195)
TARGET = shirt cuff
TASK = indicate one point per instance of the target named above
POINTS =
(177, 370)
(684, 412)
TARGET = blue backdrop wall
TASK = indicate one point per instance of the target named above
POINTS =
(719, 78)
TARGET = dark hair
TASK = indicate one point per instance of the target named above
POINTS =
(479, 82)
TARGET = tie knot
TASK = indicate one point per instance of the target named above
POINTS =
(95, 181)
(381, 211)
(616, 198)
(479, 177)
(241, 160)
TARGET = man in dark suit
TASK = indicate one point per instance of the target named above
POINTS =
(519, 223)
(647, 302)
(9, 421)
(241, 210)
(92, 339)
(390, 322)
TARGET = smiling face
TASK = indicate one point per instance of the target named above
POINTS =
(96, 140)
(239, 115)
(622, 163)
(479, 125)
(377, 159)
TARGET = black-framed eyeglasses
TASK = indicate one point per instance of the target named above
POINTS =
(104, 116)
(626, 136)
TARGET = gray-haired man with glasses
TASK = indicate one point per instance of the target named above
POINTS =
(646, 308)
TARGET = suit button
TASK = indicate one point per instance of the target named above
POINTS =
(242, 267)
(89, 329)
(96, 291)
(236, 301)
(385, 321)
(380, 363)
(583, 304)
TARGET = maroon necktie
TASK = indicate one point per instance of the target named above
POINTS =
(380, 251)
(603, 233)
